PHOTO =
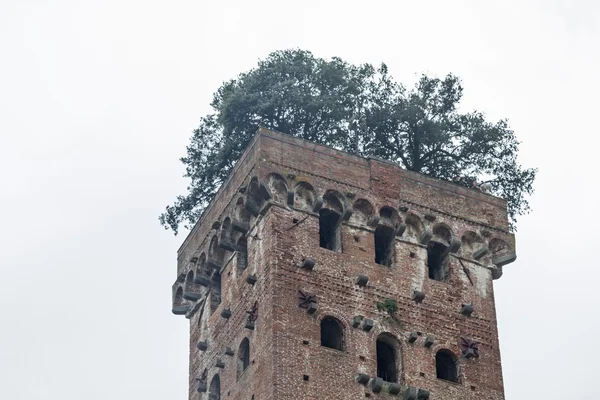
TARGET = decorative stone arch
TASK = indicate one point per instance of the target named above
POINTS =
(240, 214)
(389, 359)
(214, 391)
(304, 196)
(335, 201)
(216, 255)
(471, 242)
(389, 216)
(363, 212)
(257, 193)
(178, 296)
(180, 306)
(243, 357)
(330, 221)
(446, 365)
(442, 234)
(191, 290)
(278, 186)
(225, 229)
(202, 276)
(414, 227)
(332, 333)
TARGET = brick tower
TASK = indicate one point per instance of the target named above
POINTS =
(317, 274)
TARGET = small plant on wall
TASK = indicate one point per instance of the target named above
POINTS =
(389, 305)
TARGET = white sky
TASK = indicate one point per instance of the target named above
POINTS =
(97, 102)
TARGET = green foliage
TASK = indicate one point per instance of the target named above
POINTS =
(389, 305)
(359, 109)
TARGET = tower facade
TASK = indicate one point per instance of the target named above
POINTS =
(317, 274)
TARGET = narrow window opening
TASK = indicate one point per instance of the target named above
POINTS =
(243, 357)
(445, 366)
(329, 230)
(386, 361)
(214, 392)
(332, 334)
(437, 261)
(384, 245)
(242, 254)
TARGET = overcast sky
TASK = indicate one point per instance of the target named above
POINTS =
(97, 103)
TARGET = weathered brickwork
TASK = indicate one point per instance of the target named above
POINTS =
(250, 266)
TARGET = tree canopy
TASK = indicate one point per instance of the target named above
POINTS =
(355, 108)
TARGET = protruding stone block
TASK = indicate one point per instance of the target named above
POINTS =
(307, 263)
(400, 230)
(425, 237)
(430, 217)
(368, 324)
(363, 379)
(249, 324)
(251, 279)
(312, 308)
(497, 273)
(202, 280)
(467, 310)
(403, 208)
(454, 245)
(362, 280)
(394, 388)
(216, 224)
(480, 253)
(227, 244)
(201, 386)
(252, 207)
(194, 260)
(377, 385)
(418, 296)
(470, 353)
(410, 393)
(181, 310)
(214, 264)
(226, 313)
(229, 351)
(413, 337)
(347, 214)
(219, 363)
(356, 321)
(318, 204)
(202, 345)
(215, 276)
(191, 295)
(240, 226)
(423, 394)
(373, 222)
(264, 191)
(429, 341)
(290, 197)
(501, 261)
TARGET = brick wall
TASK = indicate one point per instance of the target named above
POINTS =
(287, 360)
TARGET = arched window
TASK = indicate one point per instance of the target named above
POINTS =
(437, 261)
(332, 334)
(243, 359)
(445, 366)
(214, 392)
(329, 229)
(384, 245)
(386, 358)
